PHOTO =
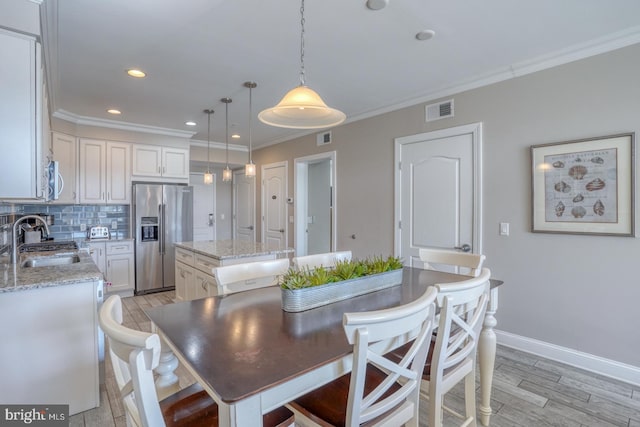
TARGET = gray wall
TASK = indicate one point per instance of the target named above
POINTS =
(578, 292)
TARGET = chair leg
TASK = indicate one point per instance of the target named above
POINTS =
(470, 398)
(435, 410)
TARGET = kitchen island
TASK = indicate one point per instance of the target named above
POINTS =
(51, 344)
(195, 261)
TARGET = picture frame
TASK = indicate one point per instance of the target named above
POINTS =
(584, 186)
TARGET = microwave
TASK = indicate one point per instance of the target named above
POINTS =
(56, 183)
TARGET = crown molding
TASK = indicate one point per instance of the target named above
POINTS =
(573, 53)
(219, 145)
(112, 124)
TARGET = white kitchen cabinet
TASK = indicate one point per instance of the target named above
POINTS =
(120, 270)
(98, 253)
(51, 346)
(115, 260)
(184, 282)
(64, 150)
(205, 285)
(23, 165)
(160, 163)
(105, 172)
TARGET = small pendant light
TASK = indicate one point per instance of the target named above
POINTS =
(208, 177)
(302, 107)
(250, 168)
(227, 174)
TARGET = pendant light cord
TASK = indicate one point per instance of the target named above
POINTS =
(226, 106)
(208, 141)
(250, 120)
(302, 76)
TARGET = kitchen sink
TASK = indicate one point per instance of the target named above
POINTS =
(51, 261)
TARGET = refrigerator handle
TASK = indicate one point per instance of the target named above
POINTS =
(164, 224)
(161, 230)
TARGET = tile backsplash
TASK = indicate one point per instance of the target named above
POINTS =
(68, 220)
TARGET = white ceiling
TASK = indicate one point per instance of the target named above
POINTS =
(360, 61)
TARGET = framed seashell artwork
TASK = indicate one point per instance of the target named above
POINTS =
(584, 186)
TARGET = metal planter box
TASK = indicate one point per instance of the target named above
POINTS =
(295, 300)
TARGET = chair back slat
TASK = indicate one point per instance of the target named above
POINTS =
(455, 262)
(326, 260)
(251, 275)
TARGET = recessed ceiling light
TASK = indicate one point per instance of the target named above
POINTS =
(136, 73)
(425, 34)
(113, 111)
(190, 123)
(377, 4)
(235, 135)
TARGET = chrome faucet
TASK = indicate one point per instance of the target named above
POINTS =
(14, 237)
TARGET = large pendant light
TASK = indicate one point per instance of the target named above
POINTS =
(208, 177)
(250, 168)
(227, 174)
(302, 107)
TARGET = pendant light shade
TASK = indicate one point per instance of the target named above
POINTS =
(227, 174)
(208, 176)
(302, 107)
(250, 168)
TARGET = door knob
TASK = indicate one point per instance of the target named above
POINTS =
(281, 230)
(250, 227)
(464, 248)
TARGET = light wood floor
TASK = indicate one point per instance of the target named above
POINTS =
(528, 391)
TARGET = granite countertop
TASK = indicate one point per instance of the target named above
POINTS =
(230, 249)
(16, 278)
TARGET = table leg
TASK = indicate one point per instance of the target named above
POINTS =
(244, 413)
(487, 357)
(167, 381)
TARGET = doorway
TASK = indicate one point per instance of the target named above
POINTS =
(438, 192)
(244, 196)
(204, 208)
(315, 207)
(274, 204)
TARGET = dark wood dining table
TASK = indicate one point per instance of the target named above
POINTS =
(251, 356)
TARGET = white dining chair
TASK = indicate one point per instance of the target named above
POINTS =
(134, 355)
(378, 392)
(326, 260)
(250, 275)
(462, 309)
(451, 261)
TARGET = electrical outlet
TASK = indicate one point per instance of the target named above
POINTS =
(114, 225)
(83, 227)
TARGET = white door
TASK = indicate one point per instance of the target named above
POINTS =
(274, 204)
(204, 208)
(244, 196)
(438, 192)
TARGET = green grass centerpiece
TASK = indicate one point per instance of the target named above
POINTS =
(309, 288)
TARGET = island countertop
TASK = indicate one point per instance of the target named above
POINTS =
(232, 249)
(15, 278)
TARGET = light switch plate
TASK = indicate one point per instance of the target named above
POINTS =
(504, 228)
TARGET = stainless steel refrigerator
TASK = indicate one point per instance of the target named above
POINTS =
(163, 215)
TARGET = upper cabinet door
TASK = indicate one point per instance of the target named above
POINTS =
(118, 175)
(147, 160)
(20, 110)
(92, 171)
(175, 162)
(64, 149)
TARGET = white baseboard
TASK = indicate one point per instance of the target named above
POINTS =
(589, 362)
